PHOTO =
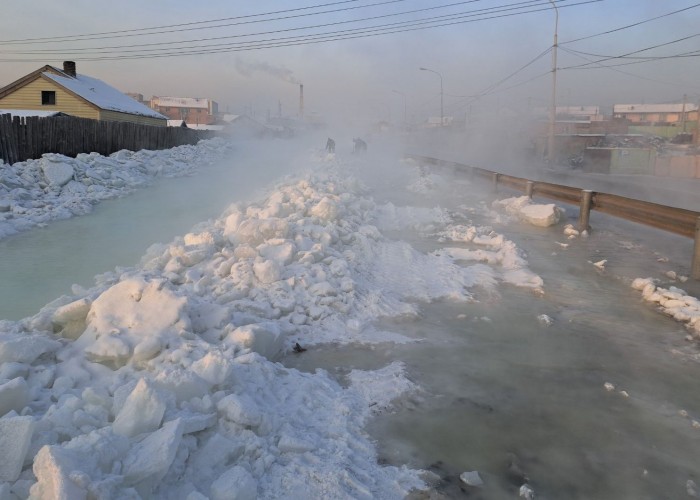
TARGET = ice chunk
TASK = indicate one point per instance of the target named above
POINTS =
(57, 174)
(215, 368)
(541, 215)
(294, 445)
(326, 209)
(148, 461)
(545, 320)
(471, 478)
(267, 271)
(15, 436)
(142, 412)
(234, 484)
(527, 492)
(53, 466)
(184, 384)
(69, 320)
(218, 450)
(256, 231)
(25, 348)
(14, 395)
(126, 314)
(266, 340)
(241, 409)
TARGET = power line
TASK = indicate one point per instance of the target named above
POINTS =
(613, 68)
(135, 30)
(631, 25)
(608, 58)
(332, 36)
(500, 8)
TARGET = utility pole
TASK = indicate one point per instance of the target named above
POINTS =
(553, 104)
(683, 112)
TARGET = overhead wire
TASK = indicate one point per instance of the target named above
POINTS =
(437, 21)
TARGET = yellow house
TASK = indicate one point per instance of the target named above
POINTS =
(53, 89)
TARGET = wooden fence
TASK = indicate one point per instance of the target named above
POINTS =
(24, 138)
(674, 220)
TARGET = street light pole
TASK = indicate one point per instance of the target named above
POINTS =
(442, 113)
(553, 105)
(404, 105)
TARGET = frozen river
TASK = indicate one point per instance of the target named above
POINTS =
(500, 391)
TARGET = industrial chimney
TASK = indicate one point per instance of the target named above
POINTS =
(69, 68)
(301, 100)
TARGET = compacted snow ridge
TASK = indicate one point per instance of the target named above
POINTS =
(672, 301)
(34, 192)
(161, 381)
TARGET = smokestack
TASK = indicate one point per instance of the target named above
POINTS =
(301, 100)
(69, 68)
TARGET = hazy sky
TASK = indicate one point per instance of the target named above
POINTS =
(371, 76)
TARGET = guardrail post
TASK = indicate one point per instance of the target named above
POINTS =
(695, 266)
(494, 177)
(529, 187)
(585, 209)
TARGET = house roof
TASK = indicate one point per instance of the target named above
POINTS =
(182, 102)
(654, 108)
(100, 94)
(92, 90)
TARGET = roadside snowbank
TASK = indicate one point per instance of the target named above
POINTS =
(161, 381)
(673, 302)
(54, 187)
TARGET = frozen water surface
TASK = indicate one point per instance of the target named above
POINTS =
(536, 367)
(524, 400)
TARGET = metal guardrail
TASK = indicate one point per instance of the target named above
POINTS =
(675, 220)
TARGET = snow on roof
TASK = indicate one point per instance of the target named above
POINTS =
(182, 102)
(654, 108)
(578, 110)
(102, 95)
(30, 112)
(228, 118)
(175, 123)
(205, 127)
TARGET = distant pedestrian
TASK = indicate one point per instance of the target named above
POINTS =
(360, 146)
(330, 145)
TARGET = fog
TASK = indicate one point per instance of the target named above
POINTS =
(373, 75)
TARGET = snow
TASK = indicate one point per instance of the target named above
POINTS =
(15, 436)
(533, 213)
(161, 382)
(182, 102)
(102, 95)
(672, 301)
(28, 112)
(34, 192)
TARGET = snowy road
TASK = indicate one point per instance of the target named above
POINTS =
(463, 338)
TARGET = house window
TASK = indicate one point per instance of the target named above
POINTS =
(48, 97)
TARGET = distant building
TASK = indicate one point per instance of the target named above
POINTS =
(657, 114)
(138, 98)
(55, 90)
(194, 110)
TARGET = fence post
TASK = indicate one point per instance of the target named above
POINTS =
(695, 266)
(494, 177)
(529, 187)
(585, 209)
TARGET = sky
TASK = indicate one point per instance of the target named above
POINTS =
(373, 77)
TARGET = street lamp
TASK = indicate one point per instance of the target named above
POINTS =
(553, 104)
(404, 104)
(442, 114)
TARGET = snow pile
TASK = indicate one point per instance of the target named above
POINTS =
(533, 213)
(160, 381)
(58, 187)
(491, 248)
(672, 301)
